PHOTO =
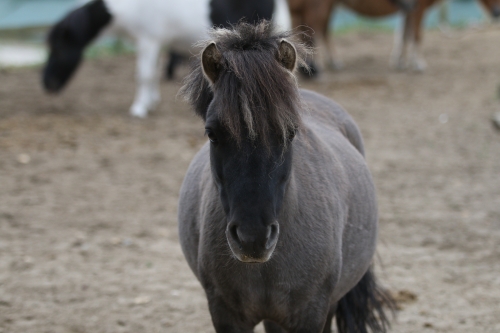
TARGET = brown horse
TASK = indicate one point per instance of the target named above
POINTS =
(316, 14)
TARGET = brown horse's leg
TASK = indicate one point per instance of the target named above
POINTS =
(298, 10)
(333, 60)
(418, 62)
(402, 37)
(224, 318)
(317, 16)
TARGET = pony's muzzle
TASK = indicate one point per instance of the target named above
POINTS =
(252, 244)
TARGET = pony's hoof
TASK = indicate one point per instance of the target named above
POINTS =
(138, 111)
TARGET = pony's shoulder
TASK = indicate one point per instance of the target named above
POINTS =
(200, 162)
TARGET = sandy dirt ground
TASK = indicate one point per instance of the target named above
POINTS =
(88, 195)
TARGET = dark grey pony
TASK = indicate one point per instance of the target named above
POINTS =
(277, 213)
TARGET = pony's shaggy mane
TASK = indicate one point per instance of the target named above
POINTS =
(256, 95)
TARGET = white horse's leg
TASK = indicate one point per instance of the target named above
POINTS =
(148, 91)
(281, 16)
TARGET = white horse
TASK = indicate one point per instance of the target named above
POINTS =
(153, 24)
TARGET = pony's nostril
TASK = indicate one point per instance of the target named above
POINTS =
(272, 235)
(233, 231)
(269, 232)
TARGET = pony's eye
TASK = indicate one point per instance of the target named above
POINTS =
(211, 136)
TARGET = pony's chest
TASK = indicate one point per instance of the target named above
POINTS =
(273, 294)
(257, 296)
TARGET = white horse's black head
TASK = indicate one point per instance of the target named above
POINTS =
(246, 92)
(67, 41)
(65, 55)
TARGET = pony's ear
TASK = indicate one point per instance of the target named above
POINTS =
(211, 62)
(287, 55)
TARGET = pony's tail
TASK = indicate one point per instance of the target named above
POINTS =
(363, 307)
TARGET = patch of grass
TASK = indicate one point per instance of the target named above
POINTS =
(109, 48)
(32, 35)
(462, 24)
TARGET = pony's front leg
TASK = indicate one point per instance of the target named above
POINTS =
(225, 318)
(148, 92)
(272, 327)
(314, 318)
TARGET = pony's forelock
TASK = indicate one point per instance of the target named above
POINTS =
(256, 95)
